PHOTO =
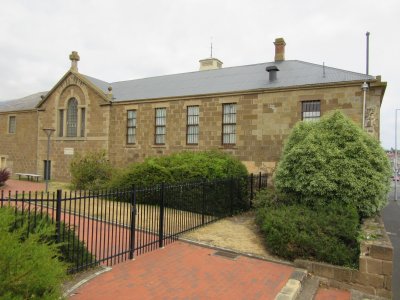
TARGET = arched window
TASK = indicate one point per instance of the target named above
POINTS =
(72, 117)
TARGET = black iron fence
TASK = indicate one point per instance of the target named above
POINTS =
(107, 227)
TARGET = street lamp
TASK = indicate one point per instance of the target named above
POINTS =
(395, 155)
(49, 132)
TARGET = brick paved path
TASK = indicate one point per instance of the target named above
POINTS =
(22, 185)
(186, 271)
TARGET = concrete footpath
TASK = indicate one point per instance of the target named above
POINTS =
(391, 218)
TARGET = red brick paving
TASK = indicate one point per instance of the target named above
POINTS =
(186, 271)
(332, 294)
(13, 185)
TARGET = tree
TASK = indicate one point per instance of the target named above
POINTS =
(334, 160)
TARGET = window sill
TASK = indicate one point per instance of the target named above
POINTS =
(133, 146)
(69, 138)
(159, 146)
(234, 147)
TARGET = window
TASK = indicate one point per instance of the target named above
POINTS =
(310, 110)
(229, 124)
(12, 124)
(83, 121)
(161, 116)
(61, 123)
(192, 129)
(131, 127)
(72, 117)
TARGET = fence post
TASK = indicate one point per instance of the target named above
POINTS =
(251, 188)
(58, 215)
(161, 221)
(259, 182)
(203, 202)
(231, 196)
(133, 224)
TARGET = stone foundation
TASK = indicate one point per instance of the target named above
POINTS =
(374, 275)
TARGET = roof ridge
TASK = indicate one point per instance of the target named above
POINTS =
(191, 72)
(227, 68)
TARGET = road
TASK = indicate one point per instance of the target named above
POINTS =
(391, 218)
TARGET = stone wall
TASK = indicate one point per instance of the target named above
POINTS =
(374, 275)
(18, 151)
(264, 120)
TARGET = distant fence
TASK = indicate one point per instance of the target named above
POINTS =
(107, 227)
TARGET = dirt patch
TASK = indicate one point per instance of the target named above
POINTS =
(238, 233)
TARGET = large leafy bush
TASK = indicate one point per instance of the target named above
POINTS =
(29, 264)
(333, 160)
(90, 171)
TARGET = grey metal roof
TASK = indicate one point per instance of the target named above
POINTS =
(233, 79)
(26, 103)
(291, 73)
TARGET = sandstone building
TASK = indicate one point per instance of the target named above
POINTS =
(247, 111)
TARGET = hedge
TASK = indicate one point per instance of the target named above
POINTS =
(325, 233)
(187, 176)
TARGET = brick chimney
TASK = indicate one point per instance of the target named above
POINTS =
(210, 64)
(279, 49)
(74, 57)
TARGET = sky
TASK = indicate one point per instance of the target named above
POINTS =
(121, 40)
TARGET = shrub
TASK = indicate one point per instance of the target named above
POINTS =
(333, 160)
(189, 167)
(4, 176)
(91, 171)
(29, 265)
(267, 198)
(71, 249)
(180, 167)
(325, 233)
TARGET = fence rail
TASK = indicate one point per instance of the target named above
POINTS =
(107, 227)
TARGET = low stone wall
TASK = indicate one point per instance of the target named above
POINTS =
(374, 275)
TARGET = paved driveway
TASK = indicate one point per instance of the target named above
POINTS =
(186, 271)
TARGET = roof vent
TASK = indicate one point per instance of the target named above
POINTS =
(272, 70)
(210, 64)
